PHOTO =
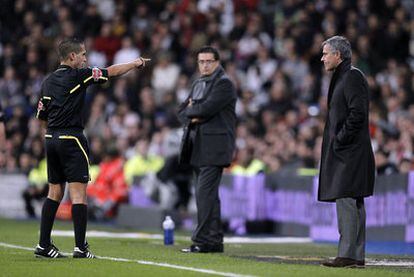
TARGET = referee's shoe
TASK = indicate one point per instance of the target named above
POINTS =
(83, 253)
(51, 252)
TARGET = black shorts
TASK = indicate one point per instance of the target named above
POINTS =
(67, 156)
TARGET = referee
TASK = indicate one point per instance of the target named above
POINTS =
(61, 105)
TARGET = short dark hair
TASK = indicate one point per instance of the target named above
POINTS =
(209, 49)
(68, 46)
(341, 45)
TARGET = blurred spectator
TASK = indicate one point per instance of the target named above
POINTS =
(109, 189)
(106, 42)
(164, 78)
(142, 162)
(37, 188)
(180, 175)
(91, 22)
(127, 52)
(405, 166)
(246, 164)
(384, 167)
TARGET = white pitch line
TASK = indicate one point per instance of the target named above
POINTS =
(240, 240)
(6, 245)
(245, 240)
(397, 263)
(112, 235)
(207, 271)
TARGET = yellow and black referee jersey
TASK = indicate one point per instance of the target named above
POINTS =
(62, 96)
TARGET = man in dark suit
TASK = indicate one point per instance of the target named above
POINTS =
(347, 170)
(208, 144)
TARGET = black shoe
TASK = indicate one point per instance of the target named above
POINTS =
(195, 248)
(83, 253)
(204, 248)
(360, 263)
(344, 262)
(51, 252)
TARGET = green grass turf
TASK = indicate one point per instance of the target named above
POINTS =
(247, 259)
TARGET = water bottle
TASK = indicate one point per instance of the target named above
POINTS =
(168, 226)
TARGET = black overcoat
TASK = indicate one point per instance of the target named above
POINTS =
(347, 166)
(214, 141)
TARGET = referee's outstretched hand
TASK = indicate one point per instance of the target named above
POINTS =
(141, 62)
(122, 68)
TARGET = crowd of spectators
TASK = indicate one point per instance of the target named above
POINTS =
(270, 49)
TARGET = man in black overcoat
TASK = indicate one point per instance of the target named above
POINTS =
(347, 170)
(208, 143)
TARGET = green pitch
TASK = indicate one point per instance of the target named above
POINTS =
(238, 259)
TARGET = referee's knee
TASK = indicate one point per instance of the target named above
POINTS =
(56, 192)
(77, 193)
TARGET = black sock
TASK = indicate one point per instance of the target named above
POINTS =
(49, 210)
(80, 217)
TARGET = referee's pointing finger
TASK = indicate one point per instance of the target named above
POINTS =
(143, 61)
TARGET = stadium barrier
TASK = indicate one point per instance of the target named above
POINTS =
(287, 203)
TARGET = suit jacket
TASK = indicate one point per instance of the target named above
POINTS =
(213, 140)
(347, 162)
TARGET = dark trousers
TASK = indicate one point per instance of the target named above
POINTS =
(351, 226)
(33, 193)
(209, 229)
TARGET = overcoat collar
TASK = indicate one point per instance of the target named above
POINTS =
(214, 76)
(343, 67)
(219, 70)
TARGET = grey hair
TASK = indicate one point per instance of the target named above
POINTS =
(340, 44)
